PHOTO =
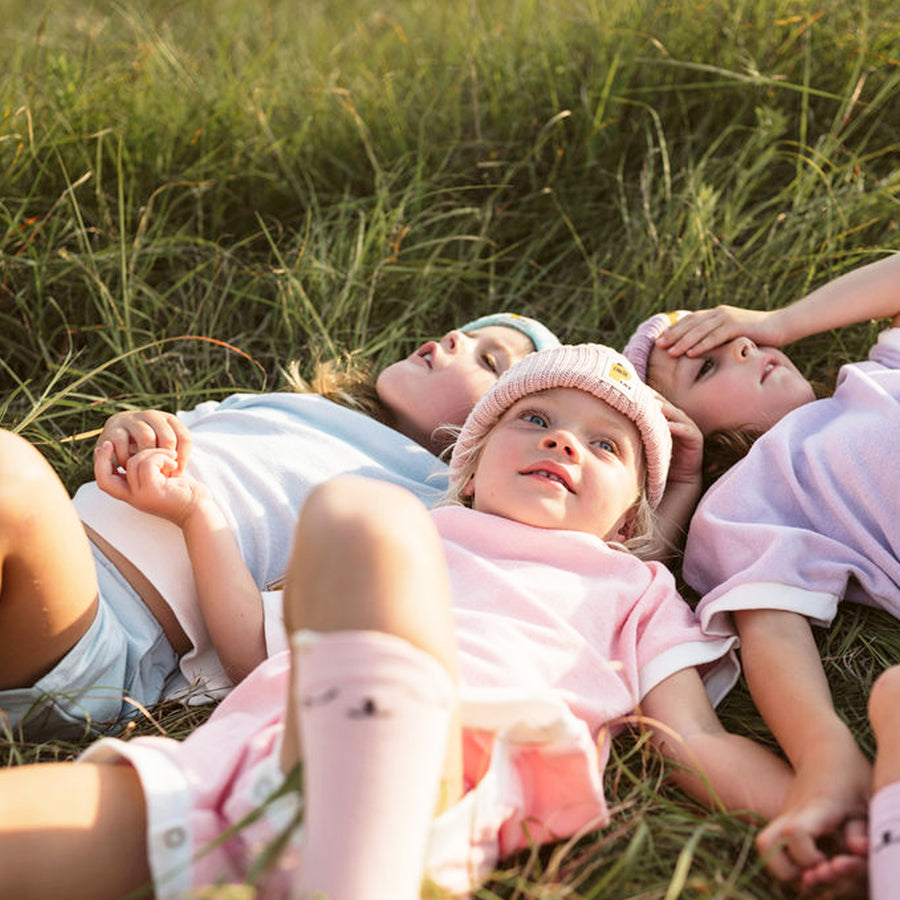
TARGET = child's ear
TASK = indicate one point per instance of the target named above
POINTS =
(624, 528)
(469, 489)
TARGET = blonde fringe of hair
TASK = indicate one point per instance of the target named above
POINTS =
(347, 382)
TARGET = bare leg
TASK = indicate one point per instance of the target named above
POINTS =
(366, 556)
(71, 830)
(48, 591)
(374, 687)
(884, 714)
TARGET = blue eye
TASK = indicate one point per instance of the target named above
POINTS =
(535, 419)
(607, 446)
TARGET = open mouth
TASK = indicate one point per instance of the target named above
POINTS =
(426, 353)
(551, 474)
(768, 368)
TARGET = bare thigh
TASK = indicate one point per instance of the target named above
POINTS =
(368, 556)
(72, 830)
(48, 583)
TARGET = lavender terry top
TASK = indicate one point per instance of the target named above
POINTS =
(810, 515)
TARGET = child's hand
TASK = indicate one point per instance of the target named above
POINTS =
(150, 482)
(133, 431)
(824, 805)
(700, 332)
(844, 875)
(686, 466)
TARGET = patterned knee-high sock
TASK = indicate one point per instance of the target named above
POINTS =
(374, 716)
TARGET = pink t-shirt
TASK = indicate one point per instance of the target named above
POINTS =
(563, 611)
(559, 635)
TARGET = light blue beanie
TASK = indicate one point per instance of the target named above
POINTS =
(539, 335)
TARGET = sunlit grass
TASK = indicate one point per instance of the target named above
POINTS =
(193, 194)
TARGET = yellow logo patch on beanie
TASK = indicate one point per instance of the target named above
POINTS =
(618, 375)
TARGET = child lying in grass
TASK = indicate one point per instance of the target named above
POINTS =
(808, 518)
(91, 628)
(472, 662)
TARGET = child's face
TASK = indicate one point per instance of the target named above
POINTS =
(441, 382)
(737, 385)
(560, 459)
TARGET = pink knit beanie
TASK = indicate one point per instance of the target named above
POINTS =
(600, 371)
(642, 341)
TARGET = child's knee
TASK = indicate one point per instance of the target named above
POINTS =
(29, 487)
(350, 509)
(884, 701)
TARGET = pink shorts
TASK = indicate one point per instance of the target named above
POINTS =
(209, 821)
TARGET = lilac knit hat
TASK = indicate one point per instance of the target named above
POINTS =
(600, 371)
(641, 342)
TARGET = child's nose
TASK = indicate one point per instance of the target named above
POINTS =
(741, 348)
(453, 340)
(560, 442)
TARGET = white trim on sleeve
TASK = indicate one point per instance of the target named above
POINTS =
(820, 607)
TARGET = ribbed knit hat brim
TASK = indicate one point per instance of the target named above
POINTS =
(593, 368)
(641, 343)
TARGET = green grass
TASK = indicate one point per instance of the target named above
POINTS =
(193, 194)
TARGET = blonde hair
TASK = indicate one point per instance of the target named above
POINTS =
(644, 540)
(347, 382)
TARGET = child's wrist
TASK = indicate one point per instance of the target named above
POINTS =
(201, 510)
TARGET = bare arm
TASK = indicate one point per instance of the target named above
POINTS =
(229, 599)
(831, 788)
(869, 292)
(718, 768)
(685, 481)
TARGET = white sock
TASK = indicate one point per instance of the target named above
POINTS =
(374, 716)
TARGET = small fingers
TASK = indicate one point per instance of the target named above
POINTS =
(788, 850)
(675, 414)
(132, 432)
(704, 336)
(144, 468)
(173, 434)
(856, 836)
(153, 428)
(687, 331)
(845, 875)
(680, 424)
(110, 478)
(779, 863)
(698, 344)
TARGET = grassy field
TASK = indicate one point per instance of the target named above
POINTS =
(193, 194)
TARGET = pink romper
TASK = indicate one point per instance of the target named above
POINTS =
(560, 636)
